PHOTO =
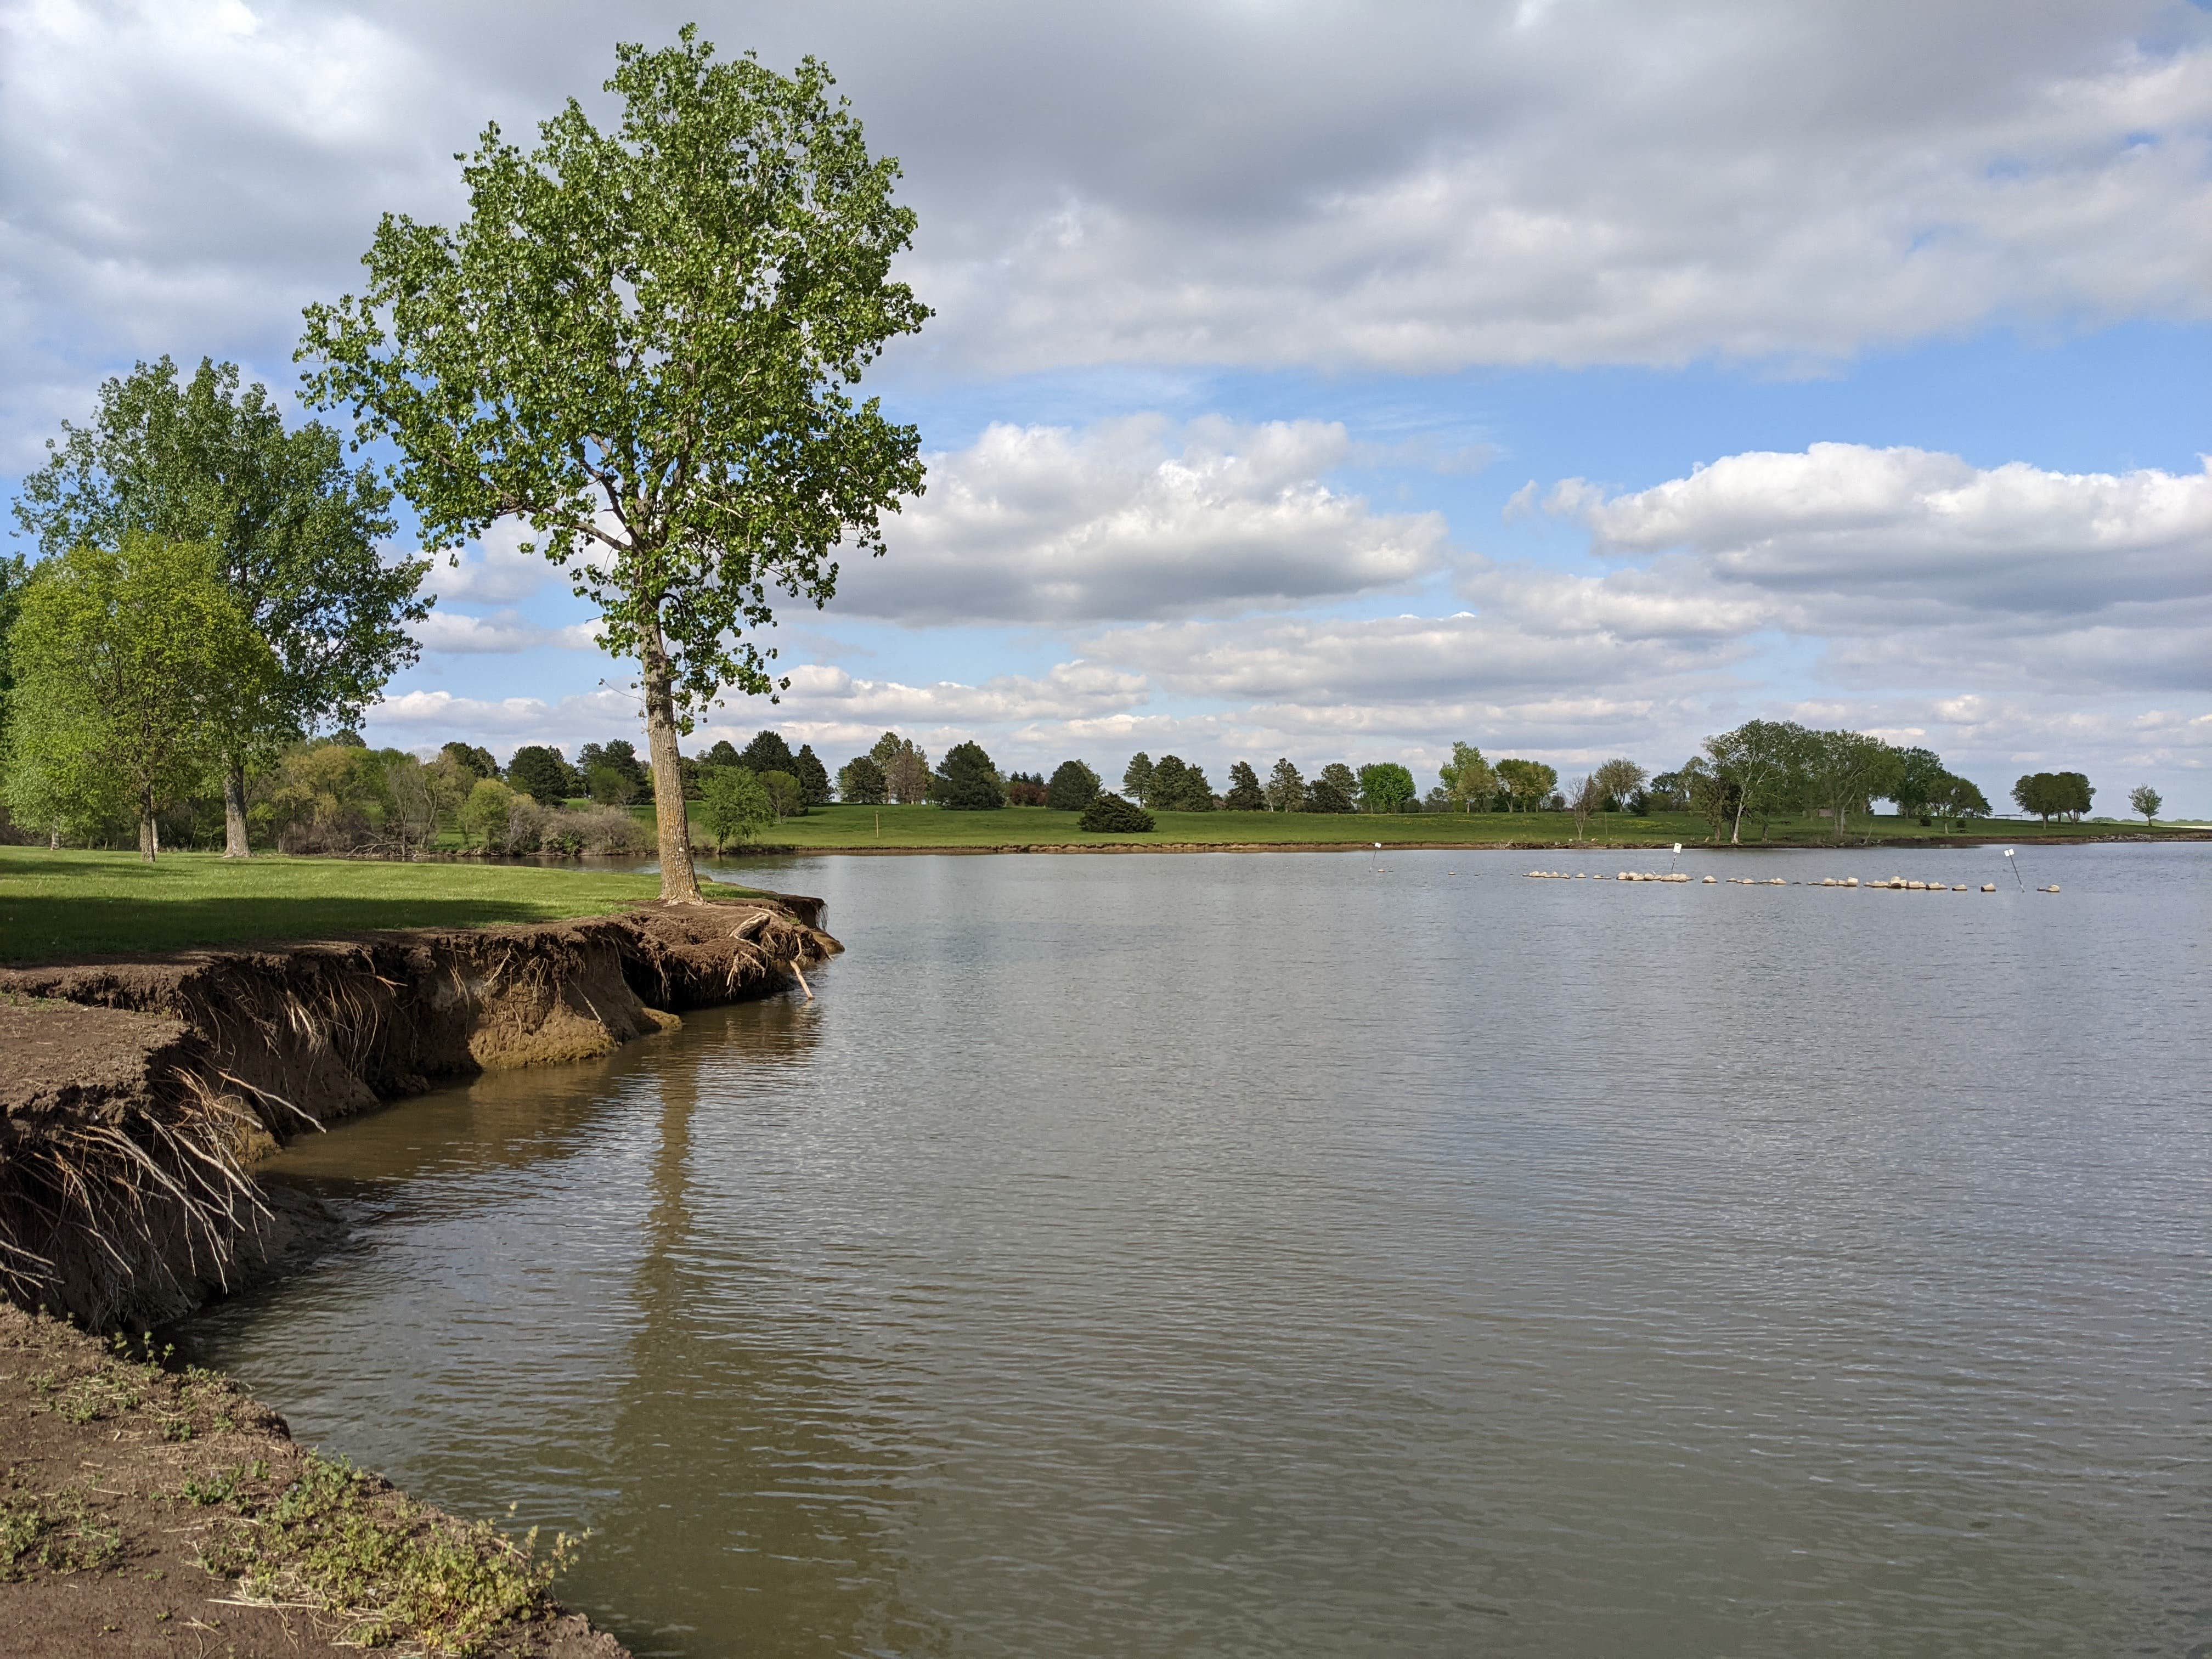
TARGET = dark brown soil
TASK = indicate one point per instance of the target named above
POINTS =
(116, 1461)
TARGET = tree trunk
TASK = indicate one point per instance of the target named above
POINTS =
(233, 809)
(148, 845)
(679, 882)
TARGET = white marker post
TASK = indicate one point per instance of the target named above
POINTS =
(2015, 867)
(1374, 862)
(1670, 862)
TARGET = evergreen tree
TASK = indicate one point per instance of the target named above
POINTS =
(767, 752)
(542, 773)
(813, 777)
(860, 782)
(1287, 788)
(1073, 787)
(723, 753)
(966, 782)
(1335, 790)
(1136, 778)
(1169, 785)
(1244, 792)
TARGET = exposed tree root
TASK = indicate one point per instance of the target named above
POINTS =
(123, 1188)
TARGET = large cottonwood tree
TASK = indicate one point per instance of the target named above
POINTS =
(638, 342)
(294, 529)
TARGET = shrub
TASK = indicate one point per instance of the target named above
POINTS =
(1110, 815)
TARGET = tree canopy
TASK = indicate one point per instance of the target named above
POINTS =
(2054, 794)
(134, 663)
(1467, 777)
(733, 806)
(293, 529)
(1286, 788)
(966, 782)
(1073, 787)
(1244, 793)
(1332, 790)
(767, 752)
(905, 767)
(1385, 786)
(543, 774)
(2146, 801)
(638, 342)
(860, 782)
(1136, 778)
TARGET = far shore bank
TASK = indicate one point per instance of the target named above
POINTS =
(1144, 844)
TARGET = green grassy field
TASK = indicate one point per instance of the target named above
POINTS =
(892, 827)
(54, 906)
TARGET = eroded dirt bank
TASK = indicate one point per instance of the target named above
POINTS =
(136, 1095)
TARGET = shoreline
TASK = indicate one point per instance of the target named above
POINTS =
(782, 850)
(137, 1094)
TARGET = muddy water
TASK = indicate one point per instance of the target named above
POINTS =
(1269, 1255)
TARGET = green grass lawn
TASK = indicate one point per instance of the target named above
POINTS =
(829, 827)
(55, 906)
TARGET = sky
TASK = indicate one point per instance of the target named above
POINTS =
(1322, 380)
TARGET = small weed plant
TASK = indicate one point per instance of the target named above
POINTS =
(383, 1570)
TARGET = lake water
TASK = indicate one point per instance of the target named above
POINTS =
(1273, 1255)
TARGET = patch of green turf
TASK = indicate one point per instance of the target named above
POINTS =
(56, 906)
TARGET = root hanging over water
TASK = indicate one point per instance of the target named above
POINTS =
(135, 1096)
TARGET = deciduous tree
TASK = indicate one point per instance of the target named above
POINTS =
(294, 529)
(733, 806)
(783, 793)
(905, 767)
(1761, 763)
(1585, 795)
(1384, 786)
(1527, 784)
(1467, 778)
(638, 342)
(2146, 800)
(1618, 780)
(1844, 770)
(133, 664)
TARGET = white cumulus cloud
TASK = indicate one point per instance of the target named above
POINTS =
(1133, 519)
